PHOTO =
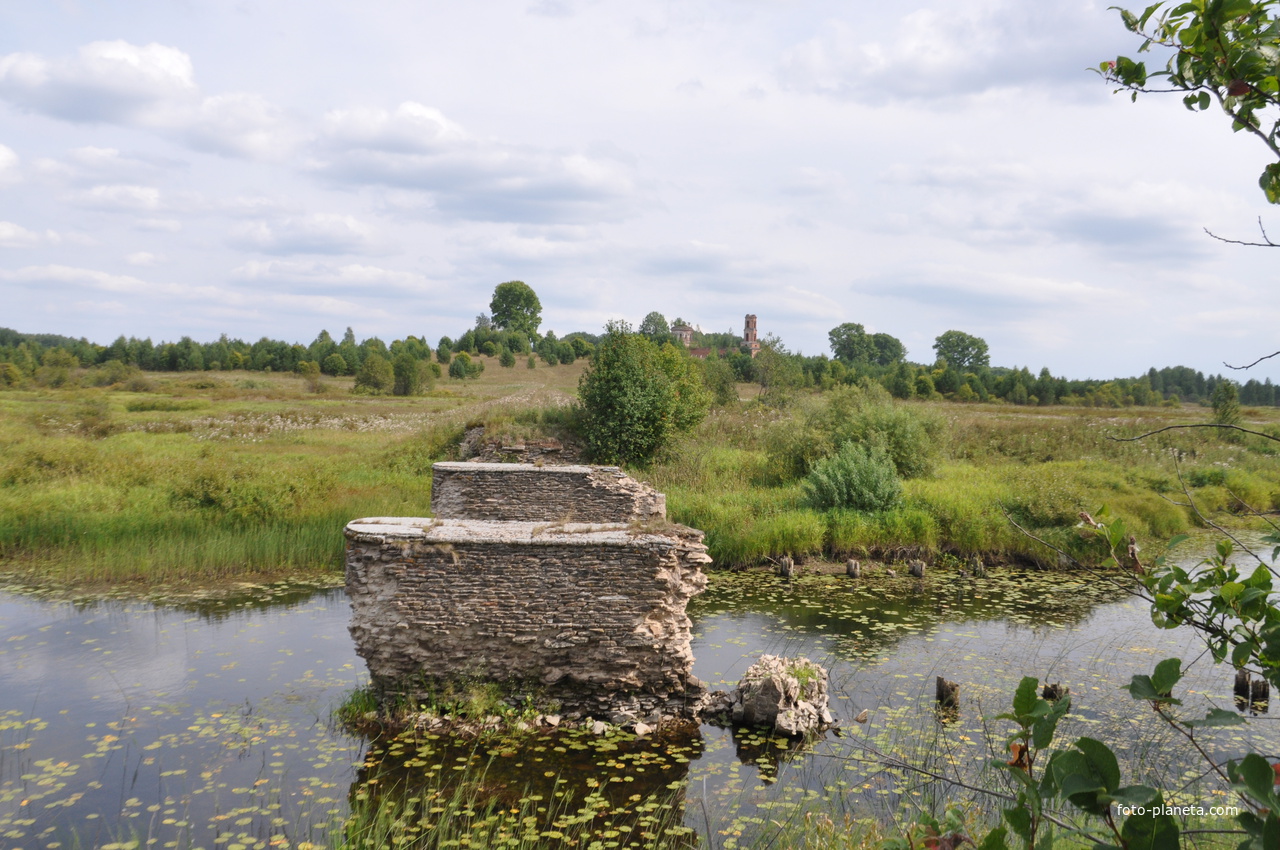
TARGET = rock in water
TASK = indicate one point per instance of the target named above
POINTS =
(917, 568)
(788, 695)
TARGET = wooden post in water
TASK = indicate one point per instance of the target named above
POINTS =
(852, 568)
(786, 567)
(948, 694)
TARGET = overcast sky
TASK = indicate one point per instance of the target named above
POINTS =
(254, 168)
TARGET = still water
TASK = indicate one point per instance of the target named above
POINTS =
(208, 724)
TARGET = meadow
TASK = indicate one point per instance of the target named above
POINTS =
(172, 479)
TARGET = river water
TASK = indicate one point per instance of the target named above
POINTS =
(208, 723)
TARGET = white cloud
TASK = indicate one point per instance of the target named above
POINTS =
(151, 87)
(143, 258)
(318, 233)
(416, 147)
(351, 277)
(949, 49)
(8, 164)
(126, 198)
(110, 81)
(16, 236)
(161, 225)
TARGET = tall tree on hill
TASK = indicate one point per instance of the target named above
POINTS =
(962, 351)
(515, 307)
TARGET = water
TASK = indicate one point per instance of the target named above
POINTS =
(209, 724)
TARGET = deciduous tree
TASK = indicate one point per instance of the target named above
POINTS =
(515, 307)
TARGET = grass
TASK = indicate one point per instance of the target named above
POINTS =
(212, 477)
(230, 475)
(1040, 468)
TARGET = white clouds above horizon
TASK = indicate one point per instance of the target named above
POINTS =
(913, 169)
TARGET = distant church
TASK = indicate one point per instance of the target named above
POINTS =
(684, 333)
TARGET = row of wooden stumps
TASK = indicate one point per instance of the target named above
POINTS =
(1252, 694)
(948, 697)
(786, 568)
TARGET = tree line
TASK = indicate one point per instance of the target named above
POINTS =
(960, 371)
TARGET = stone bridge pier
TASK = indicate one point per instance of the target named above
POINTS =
(558, 583)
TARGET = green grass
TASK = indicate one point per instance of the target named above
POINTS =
(206, 478)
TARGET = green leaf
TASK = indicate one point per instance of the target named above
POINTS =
(1019, 819)
(995, 840)
(1216, 718)
(1102, 760)
(1135, 795)
(1203, 100)
(1150, 830)
(1231, 591)
(1024, 699)
(1257, 776)
(1140, 687)
(1166, 675)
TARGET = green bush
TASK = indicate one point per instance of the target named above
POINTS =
(412, 376)
(334, 365)
(458, 366)
(635, 396)
(376, 376)
(858, 476)
(506, 359)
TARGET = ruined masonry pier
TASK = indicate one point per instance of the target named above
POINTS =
(563, 583)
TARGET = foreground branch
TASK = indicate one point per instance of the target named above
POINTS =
(1200, 425)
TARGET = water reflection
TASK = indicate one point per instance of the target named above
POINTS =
(209, 720)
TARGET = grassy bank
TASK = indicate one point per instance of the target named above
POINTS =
(991, 463)
(239, 476)
(200, 478)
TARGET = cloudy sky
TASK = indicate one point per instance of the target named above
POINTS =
(198, 167)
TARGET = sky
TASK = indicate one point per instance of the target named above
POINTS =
(199, 167)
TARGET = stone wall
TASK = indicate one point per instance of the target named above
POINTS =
(589, 615)
(522, 492)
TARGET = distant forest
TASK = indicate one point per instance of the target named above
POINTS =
(28, 354)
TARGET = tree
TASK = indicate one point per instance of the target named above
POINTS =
(412, 375)
(1222, 52)
(376, 375)
(851, 344)
(655, 326)
(515, 307)
(628, 399)
(888, 349)
(962, 351)
(1226, 403)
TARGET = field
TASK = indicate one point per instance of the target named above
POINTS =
(210, 477)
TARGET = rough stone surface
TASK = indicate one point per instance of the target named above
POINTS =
(523, 492)
(590, 615)
(771, 694)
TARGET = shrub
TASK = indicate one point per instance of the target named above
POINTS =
(375, 376)
(10, 376)
(108, 374)
(858, 476)
(627, 398)
(412, 376)
(532, 361)
(464, 367)
(718, 377)
(334, 364)
(506, 358)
